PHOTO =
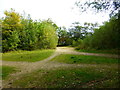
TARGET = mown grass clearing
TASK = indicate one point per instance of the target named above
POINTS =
(6, 70)
(70, 78)
(72, 59)
(29, 56)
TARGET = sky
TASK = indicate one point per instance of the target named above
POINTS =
(60, 11)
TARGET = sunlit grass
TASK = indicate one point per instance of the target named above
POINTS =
(30, 56)
(79, 59)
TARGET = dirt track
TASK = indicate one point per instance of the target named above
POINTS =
(26, 66)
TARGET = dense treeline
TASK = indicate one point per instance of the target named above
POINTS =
(75, 34)
(90, 36)
(23, 33)
(106, 37)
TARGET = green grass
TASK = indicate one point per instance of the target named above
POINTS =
(113, 51)
(29, 56)
(79, 59)
(6, 70)
(69, 78)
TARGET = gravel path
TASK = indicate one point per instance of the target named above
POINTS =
(27, 67)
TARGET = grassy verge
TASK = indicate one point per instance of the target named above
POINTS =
(114, 51)
(72, 59)
(30, 56)
(6, 70)
(70, 78)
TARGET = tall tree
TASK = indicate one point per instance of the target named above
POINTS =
(62, 35)
(47, 37)
(10, 26)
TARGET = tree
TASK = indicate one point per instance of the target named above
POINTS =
(10, 27)
(49, 36)
(63, 37)
(100, 5)
(79, 31)
(107, 36)
(76, 31)
(25, 34)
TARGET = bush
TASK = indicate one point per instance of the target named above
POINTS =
(77, 43)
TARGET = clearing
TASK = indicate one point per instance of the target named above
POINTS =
(25, 68)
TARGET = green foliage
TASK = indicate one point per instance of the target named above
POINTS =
(27, 35)
(23, 33)
(77, 43)
(63, 37)
(79, 33)
(76, 32)
(49, 36)
(10, 25)
(74, 35)
(29, 56)
(106, 37)
(86, 43)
